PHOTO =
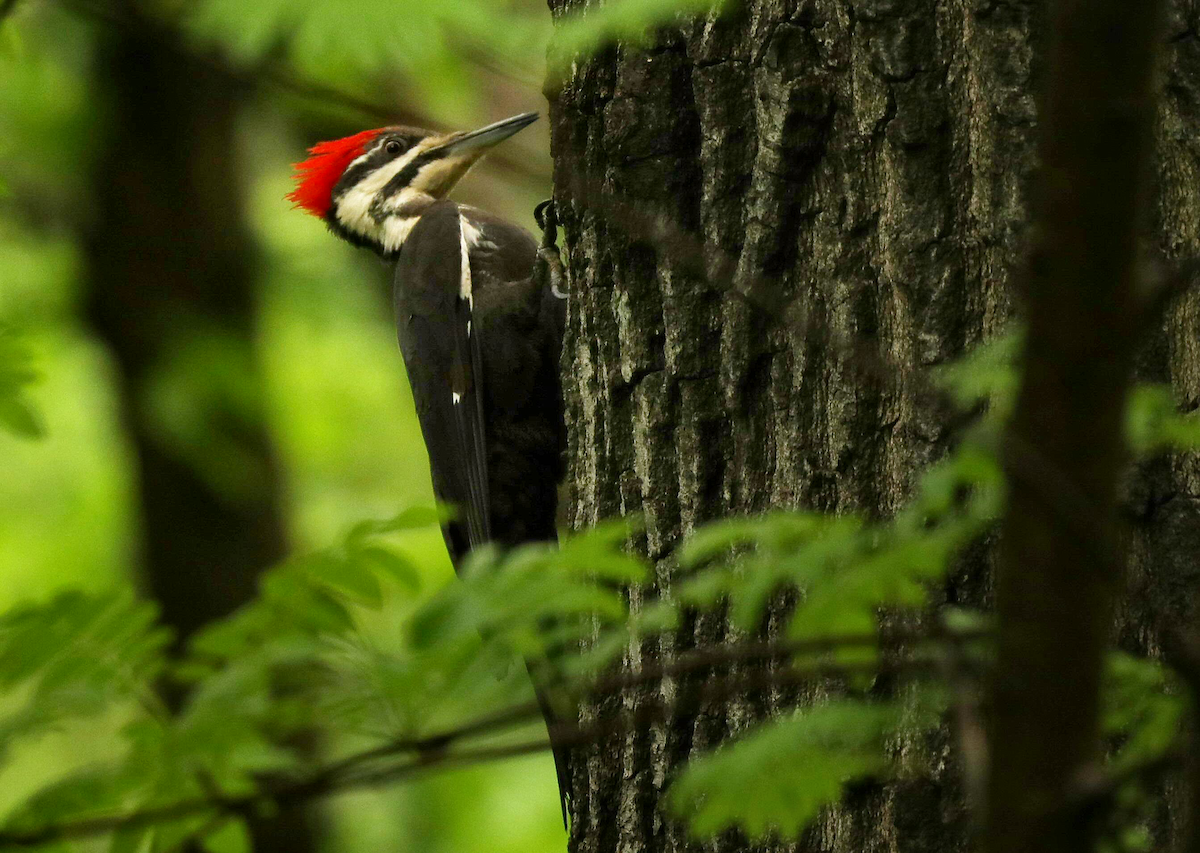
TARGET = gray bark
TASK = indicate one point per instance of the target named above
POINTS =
(871, 159)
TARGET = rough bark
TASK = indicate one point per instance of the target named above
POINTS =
(171, 274)
(871, 159)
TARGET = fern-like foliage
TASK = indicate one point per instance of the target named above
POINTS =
(347, 644)
(773, 780)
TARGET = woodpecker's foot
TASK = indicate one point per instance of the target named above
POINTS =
(546, 215)
(547, 219)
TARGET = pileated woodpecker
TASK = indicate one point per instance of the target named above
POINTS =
(479, 323)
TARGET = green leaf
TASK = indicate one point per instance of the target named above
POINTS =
(777, 778)
(345, 575)
(232, 836)
(17, 415)
(131, 840)
(1139, 708)
(986, 373)
(413, 518)
(963, 620)
(289, 589)
(631, 21)
(781, 530)
(89, 792)
(1153, 421)
(393, 565)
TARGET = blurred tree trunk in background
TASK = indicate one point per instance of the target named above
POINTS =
(872, 160)
(171, 271)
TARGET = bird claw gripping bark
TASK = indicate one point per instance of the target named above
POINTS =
(551, 267)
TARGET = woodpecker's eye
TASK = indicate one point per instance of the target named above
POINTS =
(392, 147)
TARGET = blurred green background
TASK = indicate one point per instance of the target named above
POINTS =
(281, 398)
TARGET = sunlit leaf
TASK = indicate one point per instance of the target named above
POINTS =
(775, 779)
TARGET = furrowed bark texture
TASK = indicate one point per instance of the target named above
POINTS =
(862, 170)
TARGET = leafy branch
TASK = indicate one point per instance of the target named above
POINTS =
(434, 751)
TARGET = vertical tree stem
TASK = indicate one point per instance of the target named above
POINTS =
(1059, 569)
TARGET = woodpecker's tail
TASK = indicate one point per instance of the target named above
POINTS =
(562, 767)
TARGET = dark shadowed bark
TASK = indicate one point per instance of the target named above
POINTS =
(861, 169)
(171, 294)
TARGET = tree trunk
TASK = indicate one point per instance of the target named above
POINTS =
(862, 170)
(171, 273)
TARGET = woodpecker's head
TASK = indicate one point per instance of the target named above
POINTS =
(373, 187)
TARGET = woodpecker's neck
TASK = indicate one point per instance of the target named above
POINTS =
(376, 222)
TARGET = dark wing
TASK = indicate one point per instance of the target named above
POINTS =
(441, 352)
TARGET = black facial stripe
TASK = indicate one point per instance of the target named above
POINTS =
(405, 176)
(377, 158)
(355, 174)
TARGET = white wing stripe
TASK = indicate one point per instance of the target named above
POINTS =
(464, 287)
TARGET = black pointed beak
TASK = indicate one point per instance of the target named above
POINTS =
(478, 141)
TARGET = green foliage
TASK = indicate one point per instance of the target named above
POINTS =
(17, 414)
(74, 656)
(1154, 423)
(297, 661)
(774, 780)
(428, 43)
(302, 659)
(357, 646)
(986, 374)
(1141, 713)
(632, 22)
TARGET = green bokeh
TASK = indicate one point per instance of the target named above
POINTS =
(337, 402)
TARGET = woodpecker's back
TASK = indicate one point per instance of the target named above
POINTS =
(480, 332)
(479, 325)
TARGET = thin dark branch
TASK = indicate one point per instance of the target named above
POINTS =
(688, 663)
(968, 728)
(1096, 789)
(1054, 599)
(430, 752)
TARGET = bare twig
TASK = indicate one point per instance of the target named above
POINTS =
(1095, 789)
(968, 726)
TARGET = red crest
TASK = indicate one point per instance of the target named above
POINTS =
(316, 177)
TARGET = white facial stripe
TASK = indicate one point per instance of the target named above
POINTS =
(395, 231)
(464, 286)
(361, 158)
(354, 207)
